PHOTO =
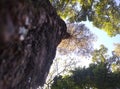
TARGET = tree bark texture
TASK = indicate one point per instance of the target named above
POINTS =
(30, 31)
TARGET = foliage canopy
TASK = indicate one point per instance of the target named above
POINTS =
(103, 13)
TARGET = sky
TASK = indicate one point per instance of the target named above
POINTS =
(103, 38)
(118, 2)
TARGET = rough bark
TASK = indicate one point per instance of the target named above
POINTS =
(30, 31)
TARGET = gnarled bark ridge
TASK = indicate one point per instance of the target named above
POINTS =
(30, 31)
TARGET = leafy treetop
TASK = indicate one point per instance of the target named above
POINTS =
(103, 13)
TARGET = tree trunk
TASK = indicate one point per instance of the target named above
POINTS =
(30, 31)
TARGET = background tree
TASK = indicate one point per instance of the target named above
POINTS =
(117, 49)
(80, 41)
(60, 67)
(95, 77)
(101, 56)
(99, 75)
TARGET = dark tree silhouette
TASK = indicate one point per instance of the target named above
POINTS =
(30, 31)
(103, 73)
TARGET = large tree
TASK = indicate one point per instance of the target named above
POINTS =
(30, 31)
